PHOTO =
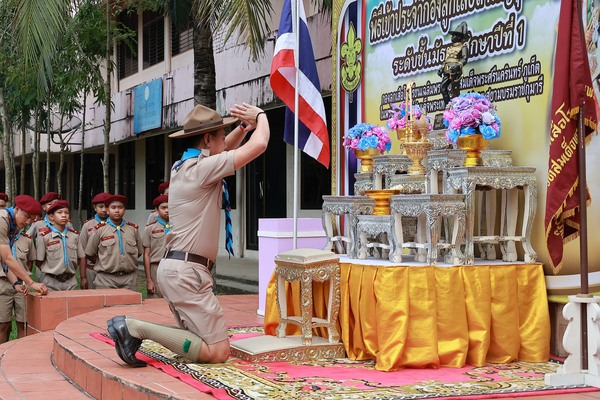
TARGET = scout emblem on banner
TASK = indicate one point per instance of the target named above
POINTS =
(572, 86)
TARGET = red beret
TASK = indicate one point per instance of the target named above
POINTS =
(163, 198)
(115, 197)
(48, 197)
(28, 204)
(3, 196)
(100, 197)
(162, 187)
(57, 205)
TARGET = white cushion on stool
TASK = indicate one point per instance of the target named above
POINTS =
(306, 256)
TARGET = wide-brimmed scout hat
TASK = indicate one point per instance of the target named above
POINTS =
(201, 120)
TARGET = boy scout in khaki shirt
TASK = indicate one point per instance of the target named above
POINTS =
(87, 264)
(11, 299)
(117, 246)
(58, 250)
(154, 241)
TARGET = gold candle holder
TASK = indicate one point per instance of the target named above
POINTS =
(417, 151)
(382, 200)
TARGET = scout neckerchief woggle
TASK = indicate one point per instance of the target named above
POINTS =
(166, 225)
(63, 238)
(118, 228)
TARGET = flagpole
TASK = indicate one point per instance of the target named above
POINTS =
(296, 26)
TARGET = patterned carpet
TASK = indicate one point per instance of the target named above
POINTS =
(346, 379)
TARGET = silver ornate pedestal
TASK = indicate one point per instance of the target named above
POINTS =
(363, 181)
(339, 206)
(376, 226)
(386, 166)
(438, 138)
(409, 184)
(469, 180)
(438, 161)
(496, 158)
(324, 267)
(431, 210)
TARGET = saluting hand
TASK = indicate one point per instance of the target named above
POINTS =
(246, 113)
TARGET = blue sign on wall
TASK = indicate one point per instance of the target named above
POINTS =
(147, 106)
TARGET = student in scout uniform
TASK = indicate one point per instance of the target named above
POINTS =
(42, 222)
(11, 299)
(117, 246)
(196, 197)
(12, 222)
(3, 200)
(154, 241)
(88, 228)
(57, 248)
(163, 188)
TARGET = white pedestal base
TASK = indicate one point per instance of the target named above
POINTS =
(571, 373)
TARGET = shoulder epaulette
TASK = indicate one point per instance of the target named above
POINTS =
(26, 235)
(36, 220)
(132, 224)
(73, 230)
(44, 231)
(99, 225)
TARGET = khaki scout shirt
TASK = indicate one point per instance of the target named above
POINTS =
(195, 203)
(51, 254)
(87, 230)
(25, 252)
(155, 238)
(104, 243)
(38, 224)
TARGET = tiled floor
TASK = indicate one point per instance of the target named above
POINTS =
(28, 371)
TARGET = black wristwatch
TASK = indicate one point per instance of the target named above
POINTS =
(17, 282)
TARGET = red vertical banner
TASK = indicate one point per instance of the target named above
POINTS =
(572, 85)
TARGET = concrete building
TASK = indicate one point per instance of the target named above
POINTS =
(152, 93)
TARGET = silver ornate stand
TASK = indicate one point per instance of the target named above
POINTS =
(386, 166)
(469, 180)
(334, 206)
(363, 181)
(430, 209)
(376, 226)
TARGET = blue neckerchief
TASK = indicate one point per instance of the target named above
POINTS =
(100, 220)
(47, 221)
(189, 153)
(118, 228)
(12, 229)
(63, 237)
(165, 224)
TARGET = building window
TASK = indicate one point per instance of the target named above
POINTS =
(181, 37)
(126, 185)
(154, 38)
(127, 51)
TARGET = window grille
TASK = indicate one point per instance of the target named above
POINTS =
(154, 38)
(127, 52)
(182, 38)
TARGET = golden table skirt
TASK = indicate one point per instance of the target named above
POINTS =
(427, 317)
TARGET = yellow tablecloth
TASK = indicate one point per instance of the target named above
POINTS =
(427, 317)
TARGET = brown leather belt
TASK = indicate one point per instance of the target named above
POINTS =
(62, 277)
(191, 257)
(119, 273)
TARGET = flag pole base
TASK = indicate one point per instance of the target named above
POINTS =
(571, 372)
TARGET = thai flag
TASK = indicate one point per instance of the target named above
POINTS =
(313, 137)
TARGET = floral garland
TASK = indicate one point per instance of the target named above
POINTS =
(471, 113)
(365, 136)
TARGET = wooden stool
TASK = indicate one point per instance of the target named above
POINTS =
(307, 265)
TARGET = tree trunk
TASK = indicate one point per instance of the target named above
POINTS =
(35, 159)
(8, 171)
(61, 158)
(48, 122)
(82, 160)
(23, 154)
(107, 120)
(204, 66)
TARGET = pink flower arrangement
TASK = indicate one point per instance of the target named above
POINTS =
(471, 113)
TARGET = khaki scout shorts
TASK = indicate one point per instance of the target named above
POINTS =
(11, 300)
(188, 287)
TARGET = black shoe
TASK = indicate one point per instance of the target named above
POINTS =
(112, 332)
(125, 344)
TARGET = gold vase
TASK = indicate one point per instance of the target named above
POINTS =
(472, 144)
(382, 200)
(366, 158)
(417, 151)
